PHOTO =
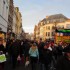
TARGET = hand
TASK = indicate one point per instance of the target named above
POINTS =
(6, 53)
(1, 52)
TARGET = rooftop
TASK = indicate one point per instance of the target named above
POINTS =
(56, 16)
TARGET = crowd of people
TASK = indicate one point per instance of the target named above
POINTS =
(48, 55)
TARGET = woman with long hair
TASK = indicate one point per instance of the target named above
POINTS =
(34, 55)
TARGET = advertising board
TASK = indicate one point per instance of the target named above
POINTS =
(62, 35)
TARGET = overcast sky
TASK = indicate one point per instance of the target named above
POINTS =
(35, 10)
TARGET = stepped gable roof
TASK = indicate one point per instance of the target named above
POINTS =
(56, 16)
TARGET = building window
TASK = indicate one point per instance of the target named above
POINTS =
(53, 27)
(52, 33)
(48, 27)
(48, 33)
(47, 21)
(68, 26)
(60, 20)
(44, 23)
(60, 27)
(6, 7)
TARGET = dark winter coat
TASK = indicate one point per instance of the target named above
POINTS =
(47, 54)
(63, 64)
(26, 47)
(59, 51)
(40, 49)
(9, 46)
(15, 49)
(2, 48)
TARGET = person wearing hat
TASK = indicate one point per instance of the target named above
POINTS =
(34, 55)
(64, 62)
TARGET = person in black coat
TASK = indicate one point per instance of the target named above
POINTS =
(40, 49)
(15, 52)
(59, 51)
(26, 47)
(41, 58)
(64, 62)
(47, 54)
(2, 51)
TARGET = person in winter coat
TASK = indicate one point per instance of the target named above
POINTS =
(2, 51)
(34, 55)
(26, 47)
(47, 54)
(59, 51)
(64, 62)
(15, 52)
(40, 49)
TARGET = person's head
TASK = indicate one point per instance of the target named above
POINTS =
(11, 41)
(68, 54)
(40, 40)
(34, 46)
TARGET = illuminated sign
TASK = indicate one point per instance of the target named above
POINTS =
(63, 39)
(63, 30)
(62, 35)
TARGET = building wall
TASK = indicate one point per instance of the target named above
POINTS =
(27, 36)
(10, 15)
(36, 32)
(14, 21)
(41, 31)
(47, 26)
(35, 29)
(65, 25)
(18, 22)
(47, 31)
(4, 8)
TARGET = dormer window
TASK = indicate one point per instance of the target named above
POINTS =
(47, 21)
